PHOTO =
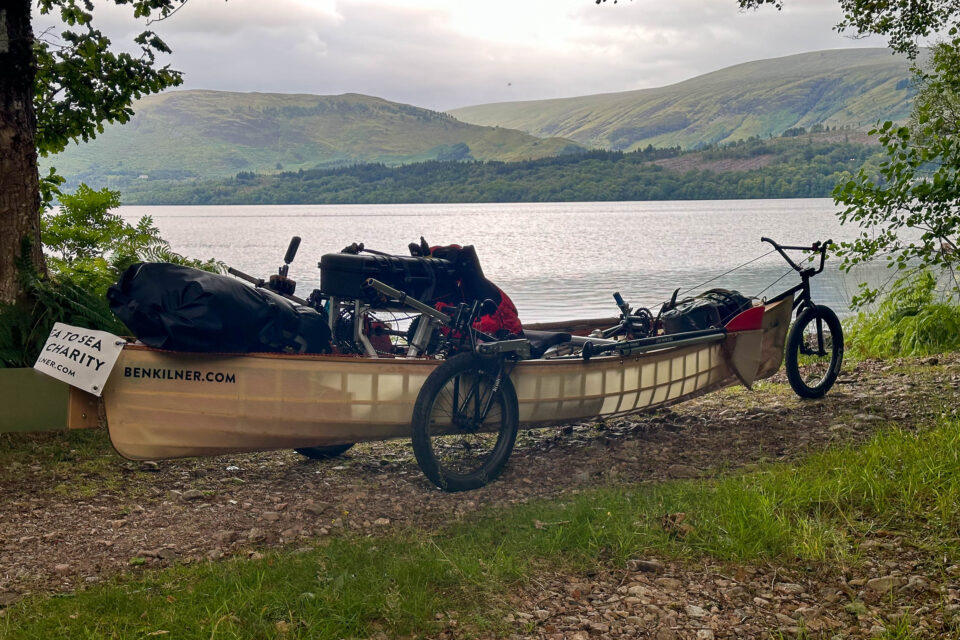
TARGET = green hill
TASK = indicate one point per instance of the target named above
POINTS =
(185, 134)
(840, 88)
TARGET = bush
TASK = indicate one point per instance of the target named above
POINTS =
(24, 327)
(87, 248)
(913, 320)
(90, 247)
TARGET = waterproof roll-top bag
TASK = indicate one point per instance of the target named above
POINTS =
(713, 308)
(173, 307)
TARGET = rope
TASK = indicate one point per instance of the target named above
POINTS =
(786, 273)
(726, 273)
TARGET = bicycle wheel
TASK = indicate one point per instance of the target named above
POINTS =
(324, 453)
(814, 351)
(464, 425)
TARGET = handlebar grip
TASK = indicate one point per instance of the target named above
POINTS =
(618, 298)
(292, 249)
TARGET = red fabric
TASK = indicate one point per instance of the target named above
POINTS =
(505, 318)
(473, 286)
(751, 319)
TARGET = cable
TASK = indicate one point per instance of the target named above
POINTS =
(786, 273)
(697, 286)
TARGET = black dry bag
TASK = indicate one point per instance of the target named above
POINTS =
(170, 306)
(713, 308)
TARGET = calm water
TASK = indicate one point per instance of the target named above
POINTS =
(557, 260)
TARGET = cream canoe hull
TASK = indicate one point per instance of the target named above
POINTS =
(168, 405)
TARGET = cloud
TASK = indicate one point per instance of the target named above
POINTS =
(442, 54)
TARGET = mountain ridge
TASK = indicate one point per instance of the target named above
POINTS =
(799, 165)
(201, 133)
(206, 133)
(850, 88)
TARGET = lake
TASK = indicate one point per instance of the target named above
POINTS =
(555, 260)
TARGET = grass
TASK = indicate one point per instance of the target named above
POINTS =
(82, 460)
(818, 510)
(51, 448)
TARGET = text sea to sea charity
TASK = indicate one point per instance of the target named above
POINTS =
(65, 346)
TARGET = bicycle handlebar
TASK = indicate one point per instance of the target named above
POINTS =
(261, 283)
(816, 247)
(257, 282)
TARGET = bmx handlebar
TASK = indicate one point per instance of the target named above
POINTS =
(816, 247)
(261, 283)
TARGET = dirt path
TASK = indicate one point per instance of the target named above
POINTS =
(90, 516)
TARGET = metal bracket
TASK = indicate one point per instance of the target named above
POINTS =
(519, 346)
(421, 338)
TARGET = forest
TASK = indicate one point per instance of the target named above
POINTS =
(789, 167)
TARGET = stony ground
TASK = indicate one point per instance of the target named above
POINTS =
(93, 515)
(669, 601)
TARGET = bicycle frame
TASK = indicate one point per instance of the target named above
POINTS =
(803, 301)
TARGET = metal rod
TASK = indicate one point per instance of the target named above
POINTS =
(296, 299)
(260, 283)
(651, 344)
(675, 343)
(371, 352)
(411, 302)
(359, 313)
(257, 282)
(421, 337)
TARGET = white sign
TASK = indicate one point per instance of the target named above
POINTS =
(82, 358)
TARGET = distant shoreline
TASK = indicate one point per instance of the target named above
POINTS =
(806, 166)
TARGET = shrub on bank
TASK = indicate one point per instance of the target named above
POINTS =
(87, 248)
(915, 319)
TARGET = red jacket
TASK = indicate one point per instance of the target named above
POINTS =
(474, 286)
(504, 319)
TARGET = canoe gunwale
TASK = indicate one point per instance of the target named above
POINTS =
(405, 361)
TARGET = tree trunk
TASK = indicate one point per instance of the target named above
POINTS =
(19, 181)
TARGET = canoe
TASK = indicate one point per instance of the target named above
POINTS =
(162, 404)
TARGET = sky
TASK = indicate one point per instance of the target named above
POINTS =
(444, 54)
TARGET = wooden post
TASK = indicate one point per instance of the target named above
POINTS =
(31, 401)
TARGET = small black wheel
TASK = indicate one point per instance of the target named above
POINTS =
(324, 453)
(464, 424)
(814, 351)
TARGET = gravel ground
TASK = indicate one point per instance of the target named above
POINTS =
(669, 601)
(82, 520)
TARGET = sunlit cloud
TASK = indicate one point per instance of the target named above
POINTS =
(443, 54)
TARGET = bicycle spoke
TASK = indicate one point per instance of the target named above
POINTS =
(464, 423)
(461, 437)
(816, 351)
